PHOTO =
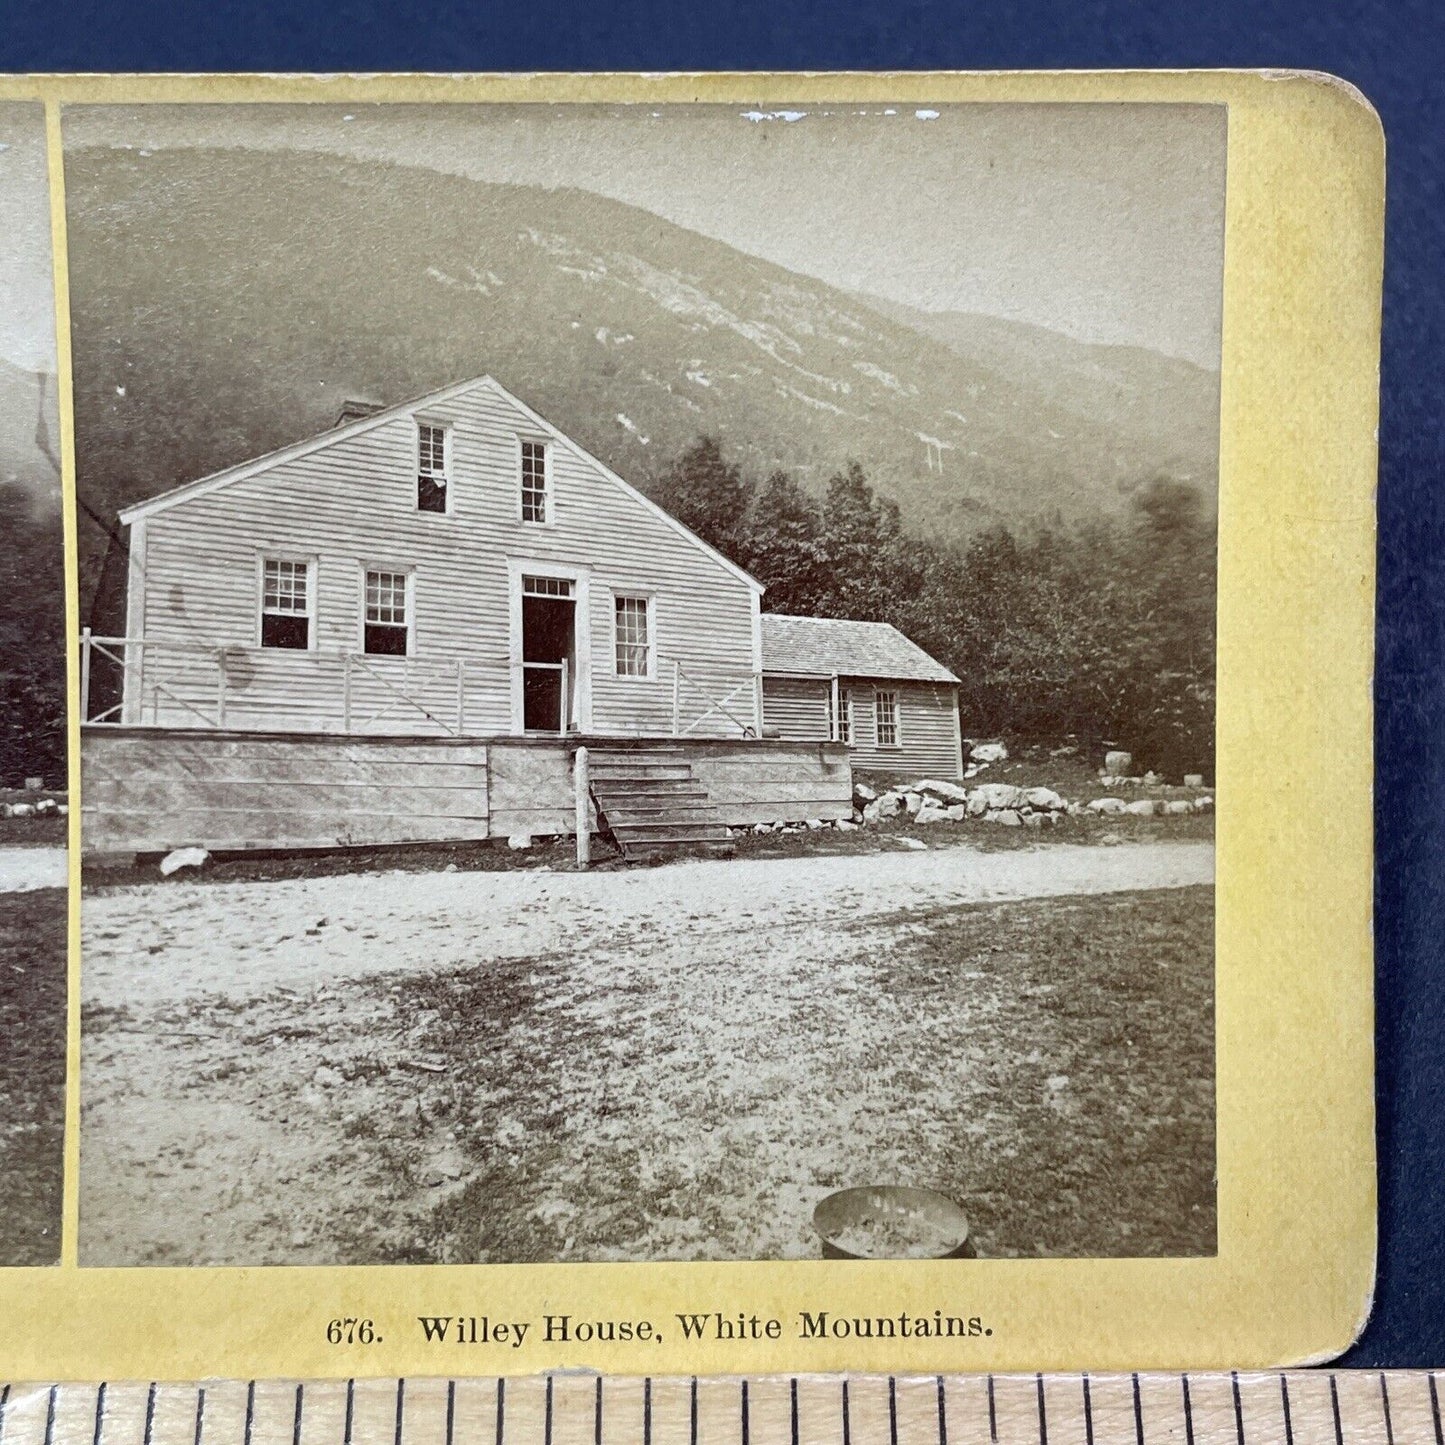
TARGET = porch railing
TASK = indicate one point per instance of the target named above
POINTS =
(140, 681)
(725, 702)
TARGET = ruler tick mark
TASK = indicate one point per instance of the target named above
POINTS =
(452, 1409)
(1188, 1410)
(547, 1419)
(692, 1413)
(151, 1414)
(596, 1415)
(200, 1413)
(100, 1416)
(400, 1411)
(647, 1411)
(793, 1410)
(892, 1411)
(992, 1415)
(296, 1416)
(943, 1414)
(50, 1416)
(1043, 1415)
(4, 1402)
(1088, 1412)
(1385, 1408)
(1238, 1407)
(1335, 1410)
(250, 1414)
(745, 1412)
(1435, 1410)
(847, 1424)
(1138, 1413)
(1284, 1400)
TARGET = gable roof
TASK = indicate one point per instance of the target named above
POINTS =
(189, 490)
(824, 646)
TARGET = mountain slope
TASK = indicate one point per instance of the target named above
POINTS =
(225, 302)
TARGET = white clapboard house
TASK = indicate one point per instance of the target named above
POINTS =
(403, 627)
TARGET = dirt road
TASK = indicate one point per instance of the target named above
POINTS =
(22, 869)
(143, 946)
(664, 1063)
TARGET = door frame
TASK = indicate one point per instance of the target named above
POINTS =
(580, 576)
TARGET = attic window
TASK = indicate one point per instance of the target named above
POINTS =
(431, 468)
(534, 482)
(285, 604)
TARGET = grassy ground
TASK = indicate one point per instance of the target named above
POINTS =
(32, 1073)
(47, 831)
(1048, 1063)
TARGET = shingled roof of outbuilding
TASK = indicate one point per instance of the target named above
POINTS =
(823, 646)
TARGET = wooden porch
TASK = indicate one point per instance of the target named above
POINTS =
(150, 789)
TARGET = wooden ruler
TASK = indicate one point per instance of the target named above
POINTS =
(1295, 1407)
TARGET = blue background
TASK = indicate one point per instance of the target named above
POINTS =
(1394, 52)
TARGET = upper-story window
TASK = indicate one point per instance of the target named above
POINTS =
(286, 603)
(387, 630)
(536, 504)
(432, 482)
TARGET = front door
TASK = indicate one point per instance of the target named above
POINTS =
(549, 654)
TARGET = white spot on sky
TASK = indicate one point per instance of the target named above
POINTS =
(348, 117)
(120, 391)
(925, 115)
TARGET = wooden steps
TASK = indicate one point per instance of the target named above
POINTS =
(649, 801)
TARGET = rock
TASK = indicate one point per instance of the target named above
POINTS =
(20, 810)
(179, 858)
(46, 805)
(326, 1077)
(913, 802)
(1177, 806)
(844, 826)
(813, 824)
(917, 844)
(450, 868)
(1065, 752)
(520, 840)
(1045, 799)
(996, 795)
(34, 785)
(1035, 820)
(761, 828)
(63, 809)
(1009, 817)
(1204, 805)
(862, 790)
(940, 789)
(1193, 780)
(932, 813)
(974, 769)
(988, 753)
(956, 812)
(1108, 805)
(1152, 779)
(1118, 762)
(1144, 808)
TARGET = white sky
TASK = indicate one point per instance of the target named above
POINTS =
(27, 296)
(1105, 222)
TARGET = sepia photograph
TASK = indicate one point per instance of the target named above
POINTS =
(647, 680)
(33, 800)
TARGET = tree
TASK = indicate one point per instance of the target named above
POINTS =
(707, 494)
(782, 547)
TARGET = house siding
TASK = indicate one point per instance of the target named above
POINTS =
(927, 721)
(351, 505)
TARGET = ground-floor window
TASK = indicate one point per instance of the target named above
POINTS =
(841, 727)
(286, 610)
(885, 718)
(387, 631)
(634, 637)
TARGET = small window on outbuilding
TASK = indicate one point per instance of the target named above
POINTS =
(841, 728)
(432, 482)
(634, 636)
(885, 718)
(535, 502)
(285, 603)
(387, 631)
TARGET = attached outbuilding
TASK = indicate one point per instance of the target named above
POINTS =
(863, 684)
